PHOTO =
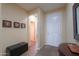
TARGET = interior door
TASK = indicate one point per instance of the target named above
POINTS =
(53, 27)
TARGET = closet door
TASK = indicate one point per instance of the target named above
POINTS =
(53, 27)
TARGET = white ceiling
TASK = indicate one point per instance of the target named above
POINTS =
(44, 6)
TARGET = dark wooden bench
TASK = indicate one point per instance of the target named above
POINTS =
(17, 49)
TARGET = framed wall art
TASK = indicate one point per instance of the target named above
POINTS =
(16, 25)
(6, 24)
(23, 25)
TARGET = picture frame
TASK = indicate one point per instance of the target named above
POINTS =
(16, 25)
(23, 25)
(6, 24)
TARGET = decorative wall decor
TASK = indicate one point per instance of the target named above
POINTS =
(16, 25)
(6, 23)
(23, 25)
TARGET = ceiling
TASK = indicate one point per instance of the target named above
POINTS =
(44, 6)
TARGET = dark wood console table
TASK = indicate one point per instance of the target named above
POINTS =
(64, 50)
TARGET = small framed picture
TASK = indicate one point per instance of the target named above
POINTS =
(16, 25)
(23, 25)
(6, 23)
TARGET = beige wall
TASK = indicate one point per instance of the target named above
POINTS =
(0, 32)
(10, 36)
(69, 25)
(42, 28)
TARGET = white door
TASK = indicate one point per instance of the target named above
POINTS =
(53, 27)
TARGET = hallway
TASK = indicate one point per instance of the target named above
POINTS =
(43, 26)
(47, 50)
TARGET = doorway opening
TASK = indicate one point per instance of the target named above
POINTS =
(32, 35)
